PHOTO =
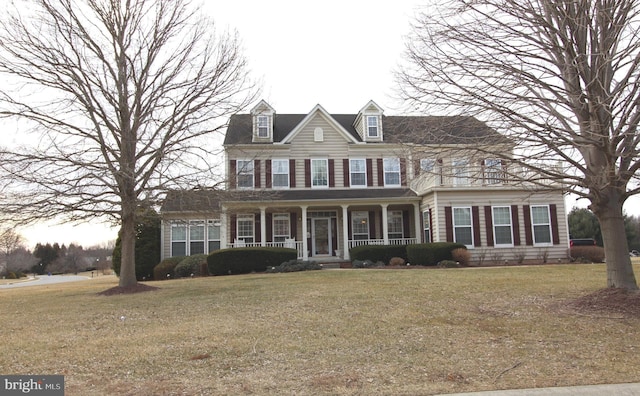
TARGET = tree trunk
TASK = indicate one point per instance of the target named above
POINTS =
(619, 269)
(128, 244)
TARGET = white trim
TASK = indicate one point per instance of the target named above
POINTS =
(533, 226)
(322, 112)
(253, 170)
(273, 174)
(384, 172)
(470, 226)
(493, 227)
(351, 185)
(326, 161)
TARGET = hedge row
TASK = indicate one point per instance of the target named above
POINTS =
(377, 253)
(247, 260)
(416, 254)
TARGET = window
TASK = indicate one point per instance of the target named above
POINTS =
(245, 228)
(178, 239)
(462, 232)
(358, 172)
(541, 223)
(394, 221)
(427, 164)
(426, 220)
(213, 235)
(244, 173)
(263, 126)
(372, 126)
(391, 171)
(360, 225)
(281, 227)
(502, 226)
(280, 173)
(196, 237)
(460, 171)
(493, 171)
(319, 173)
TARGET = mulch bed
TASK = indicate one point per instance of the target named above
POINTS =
(609, 301)
(137, 288)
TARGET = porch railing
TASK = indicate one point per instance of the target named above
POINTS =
(395, 241)
(292, 244)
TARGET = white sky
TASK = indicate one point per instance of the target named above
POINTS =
(339, 54)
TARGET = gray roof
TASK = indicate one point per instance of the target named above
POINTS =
(192, 201)
(396, 129)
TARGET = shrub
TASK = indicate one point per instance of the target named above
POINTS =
(363, 264)
(448, 264)
(396, 261)
(247, 260)
(591, 254)
(191, 265)
(382, 253)
(166, 267)
(11, 275)
(461, 255)
(294, 266)
(431, 253)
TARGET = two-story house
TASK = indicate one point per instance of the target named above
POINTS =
(323, 183)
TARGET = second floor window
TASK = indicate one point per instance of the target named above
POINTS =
(358, 172)
(319, 173)
(391, 171)
(372, 126)
(263, 126)
(280, 170)
(244, 174)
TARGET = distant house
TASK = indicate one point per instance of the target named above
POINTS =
(323, 183)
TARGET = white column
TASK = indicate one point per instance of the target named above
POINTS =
(223, 228)
(263, 226)
(418, 221)
(385, 224)
(305, 248)
(345, 232)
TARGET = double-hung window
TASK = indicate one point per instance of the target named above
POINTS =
(460, 171)
(244, 174)
(502, 231)
(196, 237)
(280, 173)
(319, 173)
(391, 172)
(394, 224)
(426, 221)
(358, 172)
(541, 223)
(263, 126)
(245, 228)
(281, 227)
(462, 226)
(372, 126)
(360, 225)
(213, 235)
(178, 239)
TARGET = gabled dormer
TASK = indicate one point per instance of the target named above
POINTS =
(368, 123)
(263, 116)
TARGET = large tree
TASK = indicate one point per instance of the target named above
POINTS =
(120, 99)
(559, 78)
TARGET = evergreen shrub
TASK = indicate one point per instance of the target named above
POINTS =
(247, 260)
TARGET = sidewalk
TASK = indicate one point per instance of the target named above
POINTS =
(589, 390)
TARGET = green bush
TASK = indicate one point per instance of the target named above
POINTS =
(589, 254)
(247, 260)
(431, 253)
(374, 253)
(166, 267)
(363, 264)
(192, 265)
(294, 266)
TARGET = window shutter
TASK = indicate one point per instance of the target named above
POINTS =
(257, 228)
(380, 173)
(488, 222)
(349, 225)
(232, 173)
(267, 173)
(448, 222)
(256, 173)
(516, 225)
(475, 213)
(292, 173)
(307, 173)
(269, 228)
(369, 172)
(294, 225)
(406, 226)
(403, 172)
(527, 225)
(332, 173)
(553, 213)
(334, 235)
(233, 226)
(345, 172)
(372, 225)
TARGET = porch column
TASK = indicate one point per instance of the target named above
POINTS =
(263, 226)
(345, 232)
(223, 228)
(385, 224)
(305, 248)
(418, 220)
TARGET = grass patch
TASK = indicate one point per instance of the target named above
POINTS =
(323, 332)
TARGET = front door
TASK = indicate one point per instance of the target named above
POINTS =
(321, 237)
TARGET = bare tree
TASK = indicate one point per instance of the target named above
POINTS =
(122, 99)
(10, 240)
(559, 78)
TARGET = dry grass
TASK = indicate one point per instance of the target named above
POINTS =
(338, 332)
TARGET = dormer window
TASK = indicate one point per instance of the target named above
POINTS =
(372, 126)
(263, 126)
